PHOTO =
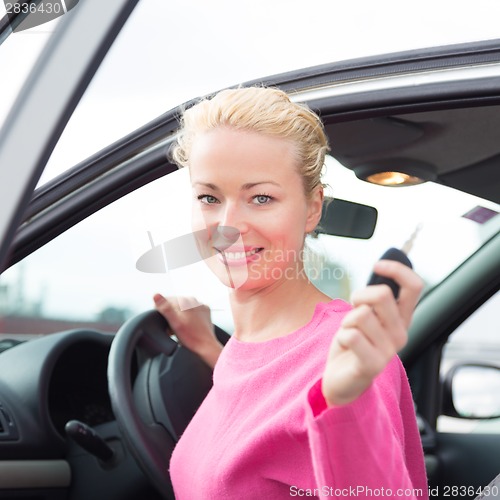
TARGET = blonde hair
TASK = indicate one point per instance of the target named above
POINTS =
(264, 110)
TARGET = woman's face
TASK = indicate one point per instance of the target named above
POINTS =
(249, 196)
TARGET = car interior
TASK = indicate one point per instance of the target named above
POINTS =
(93, 410)
(155, 385)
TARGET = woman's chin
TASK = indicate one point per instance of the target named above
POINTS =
(231, 276)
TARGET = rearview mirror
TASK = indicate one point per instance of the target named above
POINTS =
(472, 391)
(348, 219)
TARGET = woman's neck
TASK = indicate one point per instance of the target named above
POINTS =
(274, 311)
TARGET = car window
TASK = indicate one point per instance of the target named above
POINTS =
(477, 390)
(88, 275)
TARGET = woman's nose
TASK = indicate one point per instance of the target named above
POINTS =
(229, 226)
(225, 236)
(233, 217)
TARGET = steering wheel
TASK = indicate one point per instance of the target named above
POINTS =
(153, 407)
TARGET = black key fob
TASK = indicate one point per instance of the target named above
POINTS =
(391, 254)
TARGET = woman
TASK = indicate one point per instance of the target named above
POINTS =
(309, 397)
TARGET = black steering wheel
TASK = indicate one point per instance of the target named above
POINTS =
(155, 386)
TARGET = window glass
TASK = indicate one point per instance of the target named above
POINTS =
(477, 390)
(445, 236)
(88, 275)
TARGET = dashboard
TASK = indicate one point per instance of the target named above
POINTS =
(48, 381)
(44, 383)
(78, 387)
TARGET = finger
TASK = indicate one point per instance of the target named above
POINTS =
(158, 298)
(364, 319)
(410, 283)
(161, 303)
(369, 360)
(166, 303)
(166, 309)
(381, 300)
(186, 303)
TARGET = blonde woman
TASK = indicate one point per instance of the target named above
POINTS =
(309, 396)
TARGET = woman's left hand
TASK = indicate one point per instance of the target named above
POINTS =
(371, 334)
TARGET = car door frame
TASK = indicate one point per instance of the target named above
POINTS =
(339, 90)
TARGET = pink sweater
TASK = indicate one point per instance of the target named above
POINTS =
(264, 431)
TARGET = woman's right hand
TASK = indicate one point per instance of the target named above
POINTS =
(192, 326)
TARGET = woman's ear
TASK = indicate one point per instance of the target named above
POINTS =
(314, 209)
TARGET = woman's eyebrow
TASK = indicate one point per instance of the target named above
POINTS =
(206, 184)
(244, 187)
(250, 185)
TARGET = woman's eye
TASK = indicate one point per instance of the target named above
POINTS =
(208, 199)
(262, 199)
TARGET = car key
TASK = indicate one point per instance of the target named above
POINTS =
(399, 255)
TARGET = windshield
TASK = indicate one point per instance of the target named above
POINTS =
(88, 276)
(440, 219)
